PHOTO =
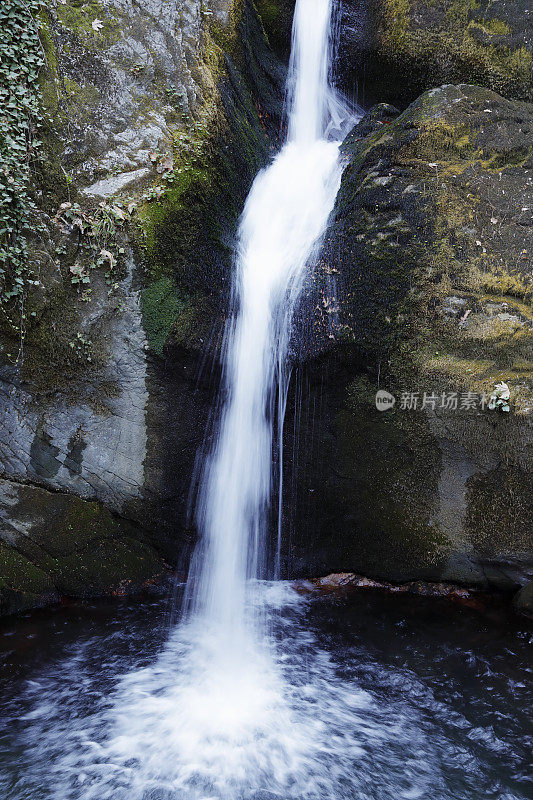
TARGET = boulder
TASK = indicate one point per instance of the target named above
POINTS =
(427, 268)
(393, 50)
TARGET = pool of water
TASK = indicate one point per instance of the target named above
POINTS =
(369, 696)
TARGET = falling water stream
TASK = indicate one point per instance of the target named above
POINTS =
(284, 217)
(246, 698)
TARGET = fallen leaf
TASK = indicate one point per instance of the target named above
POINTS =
(119, 214)
(109, 256)
(166, 164)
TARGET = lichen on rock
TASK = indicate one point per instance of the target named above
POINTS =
(430, 251)
(409, 46)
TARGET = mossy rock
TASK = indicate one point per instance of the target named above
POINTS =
(186, 235)
(276, 16)
(23, 585)
(54, 544)
(403, 47)
(430, 223)
(429, 247)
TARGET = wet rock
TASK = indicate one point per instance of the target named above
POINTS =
(118, 86)
(88, 437)
(523, 600)
(159, 119)
(373, 120)
(54, 545)
(340, 582)
(435, 489)
(336, 580)
(395, 49)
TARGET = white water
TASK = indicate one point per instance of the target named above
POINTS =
(221, 715)
(231, 728)
(284, 217)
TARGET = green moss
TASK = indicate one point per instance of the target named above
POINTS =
(85, 551)
(49, 360)
(500, 281)
(448, 46)
(403, 267)
(439, 142)
(397, 14)
(79, 16)
(392, 464)
(276, 18)
(18, 573)
(50, 175)
(499, 514)
(225, 35)
(80, 100)
(108, 566)
(185, 230)
(160, 305)
(494, 27)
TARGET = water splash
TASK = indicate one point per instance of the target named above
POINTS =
(224, 716)
(235, 726)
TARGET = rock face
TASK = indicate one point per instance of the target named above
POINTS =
(155, 121)
(430, 246)
(523, 600)
(395, 49)
(54, 545)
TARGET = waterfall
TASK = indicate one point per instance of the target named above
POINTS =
(258, 693)
(216, 717)
(284, 217)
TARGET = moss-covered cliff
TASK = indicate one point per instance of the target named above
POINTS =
(153, 122)
(396, 49)
(430, 248)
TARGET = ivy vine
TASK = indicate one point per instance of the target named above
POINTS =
(21, 59)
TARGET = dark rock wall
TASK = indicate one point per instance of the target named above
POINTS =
(429, 245)
(394, 50)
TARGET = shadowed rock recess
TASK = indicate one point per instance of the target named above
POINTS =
(155, 120)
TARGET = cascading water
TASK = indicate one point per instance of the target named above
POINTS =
(227, 689)
(285, 214)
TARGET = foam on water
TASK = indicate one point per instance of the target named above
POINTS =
(268, 722)
(374, 701)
